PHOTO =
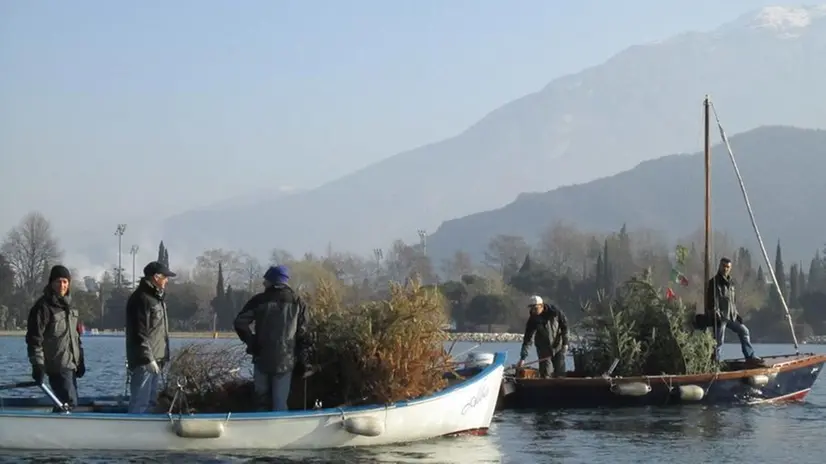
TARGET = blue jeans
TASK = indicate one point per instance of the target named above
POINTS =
(272, 390)
(742, 333)
(143, 390)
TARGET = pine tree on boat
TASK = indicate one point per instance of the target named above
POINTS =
(643, 347)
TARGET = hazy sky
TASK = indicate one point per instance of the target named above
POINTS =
(111, 109)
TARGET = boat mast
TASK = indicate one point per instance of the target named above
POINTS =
(707, 151)
(777, 285)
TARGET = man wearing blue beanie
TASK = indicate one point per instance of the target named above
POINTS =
(280, 340)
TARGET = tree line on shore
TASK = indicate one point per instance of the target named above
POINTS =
(568, 266)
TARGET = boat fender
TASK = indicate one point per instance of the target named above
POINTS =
(192, 428)
(759, 380)
(365, 425)
(632, 389)
(691, 392)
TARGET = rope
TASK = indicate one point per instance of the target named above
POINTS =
(756, 230)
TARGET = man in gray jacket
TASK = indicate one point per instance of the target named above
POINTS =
(547, 328)
(721, 311)
(280, 341)
(147, 337)
(53, 340)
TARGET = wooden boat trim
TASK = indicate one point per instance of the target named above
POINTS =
(791, 397)
(805, 360)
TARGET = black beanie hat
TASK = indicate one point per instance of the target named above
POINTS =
(59, 272)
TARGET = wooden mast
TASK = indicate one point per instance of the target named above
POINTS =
(707, 150)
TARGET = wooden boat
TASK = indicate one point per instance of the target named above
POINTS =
(785, 378)
(466, 406)
(781, 378)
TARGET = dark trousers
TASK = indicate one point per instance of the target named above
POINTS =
(64, 386)
(558, 361)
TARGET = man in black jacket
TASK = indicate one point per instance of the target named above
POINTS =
(280, 341)
(721, 312)
(547, 328)
(147, 337)
(53, 340)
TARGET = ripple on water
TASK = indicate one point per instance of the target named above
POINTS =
(792, 433)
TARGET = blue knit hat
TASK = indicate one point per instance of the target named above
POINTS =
(277, 275)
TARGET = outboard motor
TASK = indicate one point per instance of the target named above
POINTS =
(478, 360)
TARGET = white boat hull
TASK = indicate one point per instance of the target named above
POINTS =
(462, 408)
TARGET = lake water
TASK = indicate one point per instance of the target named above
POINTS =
(788, 433)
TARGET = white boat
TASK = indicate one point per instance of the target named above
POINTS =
(464, 407)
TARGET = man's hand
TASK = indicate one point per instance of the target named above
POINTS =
(520, 364)
(153, 367)
(81, 370)
(308, 371)
(37, 373)
(564, 349)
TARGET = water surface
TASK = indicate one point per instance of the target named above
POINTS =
(789, 433)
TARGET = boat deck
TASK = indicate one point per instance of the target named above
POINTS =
(119, 403)
(730, 367)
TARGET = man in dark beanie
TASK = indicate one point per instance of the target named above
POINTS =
(52, 338)
(280, 341)
(147, 337)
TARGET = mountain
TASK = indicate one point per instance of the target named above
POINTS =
(783, 169)
(246, 200)
(641, 103)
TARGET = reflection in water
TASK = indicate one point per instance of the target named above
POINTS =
(447, 450)
(648, 423)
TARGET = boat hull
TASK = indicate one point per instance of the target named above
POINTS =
(787, 378)
(466, 407)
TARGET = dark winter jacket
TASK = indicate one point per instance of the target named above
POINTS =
(280, 339)
(52, 338)
(720, 298)
(147, 326)
(548, 331)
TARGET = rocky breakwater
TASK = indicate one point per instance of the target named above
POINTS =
(484, 337)
(816, 340)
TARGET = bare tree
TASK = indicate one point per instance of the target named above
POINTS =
(279, 256)
(251, 270)
(461, 264)
(348, 267)
(563, 247)
(506, 253)
(205, 273)
(29, 247)
(404, 261)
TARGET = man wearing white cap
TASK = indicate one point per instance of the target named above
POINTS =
(547, 328)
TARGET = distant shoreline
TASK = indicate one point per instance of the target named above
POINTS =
(480, 337)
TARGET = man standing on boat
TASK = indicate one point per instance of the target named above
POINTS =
(721, 312)
(547, 328)
(53, 340)
(280, 341)
(147, 337)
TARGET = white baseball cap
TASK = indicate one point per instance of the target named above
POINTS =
(535, 300)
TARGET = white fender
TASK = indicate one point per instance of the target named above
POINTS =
(199, 428)
(632, 389)
(759, 380)
(364, 425)
(691, 392)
